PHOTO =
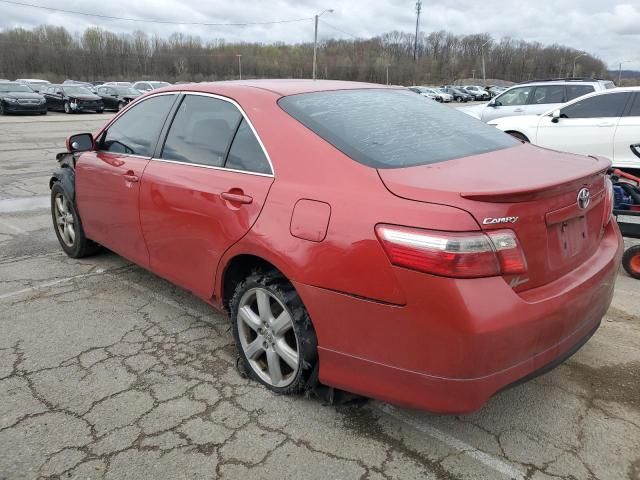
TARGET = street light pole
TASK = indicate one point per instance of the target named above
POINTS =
(387, 68)
(239, 65)
(620, 70)
(573, 74)
(484, 72)
(315, 40)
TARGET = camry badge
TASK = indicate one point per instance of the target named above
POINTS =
(493, 221)
(584, 197)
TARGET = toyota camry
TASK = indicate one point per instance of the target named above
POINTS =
(360, 237)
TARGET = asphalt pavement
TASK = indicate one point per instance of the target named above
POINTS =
(109, 372)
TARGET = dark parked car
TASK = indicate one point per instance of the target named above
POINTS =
(115, 97)
(18, 98)
(458, 95)
(72, 98)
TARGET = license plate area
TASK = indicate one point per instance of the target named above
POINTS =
(567, 240)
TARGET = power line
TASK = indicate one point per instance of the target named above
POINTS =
(338, 30)
(143, 20)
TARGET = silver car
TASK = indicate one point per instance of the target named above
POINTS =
(535, 98)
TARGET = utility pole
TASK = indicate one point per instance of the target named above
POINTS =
(387, 68)
(620, 70)
(473, 73)
(415, 43)
(239, 65)
(315, 40)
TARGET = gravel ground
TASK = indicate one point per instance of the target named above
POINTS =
(108, 372)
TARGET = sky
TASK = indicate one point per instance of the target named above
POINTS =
(608, 29)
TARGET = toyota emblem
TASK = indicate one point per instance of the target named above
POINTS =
(584, 197)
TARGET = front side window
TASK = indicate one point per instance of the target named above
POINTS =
(548, 94)
(608, 105)
(389, 128)
(575, 91)
(136, 132)
(201, 131)
(246, 153)
(513, 97)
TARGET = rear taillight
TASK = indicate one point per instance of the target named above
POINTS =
(453, 254)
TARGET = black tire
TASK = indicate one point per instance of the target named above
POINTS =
(120, 106)
(631, 261)
(519, 136)
(43, 113)
(276, 285)
(2, 110)
(100, 111)
(81, 246)
(459, 99)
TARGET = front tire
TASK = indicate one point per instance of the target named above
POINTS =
(67, 108)
(67, 225)
(273, 333)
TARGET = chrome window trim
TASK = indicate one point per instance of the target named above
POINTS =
(200, 165)
(244, 116)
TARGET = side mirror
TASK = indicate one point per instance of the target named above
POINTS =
(81, 142)
(492, 103)
(555, 115)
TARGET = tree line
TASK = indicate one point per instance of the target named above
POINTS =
(97, 54)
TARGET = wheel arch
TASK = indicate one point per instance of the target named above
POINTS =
(66, 176)
(236, 268)
(518, 134)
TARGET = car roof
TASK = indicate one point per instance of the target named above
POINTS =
(282, 87)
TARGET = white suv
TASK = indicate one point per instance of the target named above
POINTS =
(535, 98)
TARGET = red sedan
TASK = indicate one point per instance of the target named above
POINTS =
(360, 236)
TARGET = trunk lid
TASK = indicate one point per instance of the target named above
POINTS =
(527, 189)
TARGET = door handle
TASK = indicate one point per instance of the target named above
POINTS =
(606, 124)
(519, 110)
(236, 197)
(131, 177)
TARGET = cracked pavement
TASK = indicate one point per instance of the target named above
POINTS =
(109, 372)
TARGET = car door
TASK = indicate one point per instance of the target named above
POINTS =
(203, 192)
(586, 126)
(54, 99)
(510, 103)
(108, 179)
(627, 134)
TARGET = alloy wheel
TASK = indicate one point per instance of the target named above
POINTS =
(64, 220)
(267, 337)
(67, 108)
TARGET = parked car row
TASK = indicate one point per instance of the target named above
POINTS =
(31, 95)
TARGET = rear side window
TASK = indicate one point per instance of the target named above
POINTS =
(136, 132)
(393, 128)
(246, 153)
(548, 94)
(575, 91)
(635, 108)
(201, 131)
(606, 105)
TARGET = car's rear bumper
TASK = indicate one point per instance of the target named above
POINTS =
(457, 342)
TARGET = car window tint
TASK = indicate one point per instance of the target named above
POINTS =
(575, 91)
(635, 108)
(202, 131)
(548, 94)
(136, 132)
(389, 128)
(607, 105)
(515, 96)
(246, 153)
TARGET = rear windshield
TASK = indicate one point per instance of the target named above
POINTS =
(393, 128)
